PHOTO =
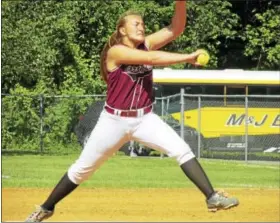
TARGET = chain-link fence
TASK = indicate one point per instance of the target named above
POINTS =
(215, 126)
(228, 127)
(44, 124)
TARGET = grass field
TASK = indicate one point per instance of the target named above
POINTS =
(29, 171)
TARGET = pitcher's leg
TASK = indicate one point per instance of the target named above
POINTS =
(162, 137)
(108, 136)
(64, 187)
(153, 132)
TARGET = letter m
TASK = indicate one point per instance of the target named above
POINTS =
(234, 120)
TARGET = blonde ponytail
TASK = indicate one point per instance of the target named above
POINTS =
(113, 40)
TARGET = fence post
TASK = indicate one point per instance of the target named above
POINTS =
(182, 112)
(246, 128)
(199, 127)
(162, 115)
(41, 97)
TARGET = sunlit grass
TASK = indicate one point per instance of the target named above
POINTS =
(125, 172)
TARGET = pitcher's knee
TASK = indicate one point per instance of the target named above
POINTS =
(85, 166)
(181, 151)
(184, 157)
(79, 174)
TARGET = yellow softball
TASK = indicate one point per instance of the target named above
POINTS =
(203, 58)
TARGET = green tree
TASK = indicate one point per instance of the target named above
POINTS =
(53, 48)
(263, 40)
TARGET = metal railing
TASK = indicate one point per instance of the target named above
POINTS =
(235, 127)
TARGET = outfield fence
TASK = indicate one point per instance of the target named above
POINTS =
(215, 126)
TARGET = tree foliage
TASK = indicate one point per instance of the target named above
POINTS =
(57, 44)
(263, 40)
(53, 48)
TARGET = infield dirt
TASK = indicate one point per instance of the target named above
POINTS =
(142, 205)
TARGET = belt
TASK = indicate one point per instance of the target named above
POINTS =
(129, 113)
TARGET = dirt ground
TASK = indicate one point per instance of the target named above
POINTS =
(138, 205)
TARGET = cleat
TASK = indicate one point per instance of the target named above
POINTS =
(39, 215)
(220, 201)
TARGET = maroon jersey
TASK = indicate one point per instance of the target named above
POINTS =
(130, 86)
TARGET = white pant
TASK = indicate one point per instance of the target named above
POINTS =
(112, 132)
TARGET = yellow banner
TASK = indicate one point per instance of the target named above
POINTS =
(219, 121)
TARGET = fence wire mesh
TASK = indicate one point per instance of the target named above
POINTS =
(232, 127)
(20, 123)
(219, 137)
(46, 124)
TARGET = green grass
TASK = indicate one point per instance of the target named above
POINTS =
(125, 172)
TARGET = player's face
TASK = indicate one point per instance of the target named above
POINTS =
(134, 28)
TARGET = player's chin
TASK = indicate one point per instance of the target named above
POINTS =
(139, 39)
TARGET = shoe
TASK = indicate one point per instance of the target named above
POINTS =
(39, 215)
(221, 201)
(133, 154)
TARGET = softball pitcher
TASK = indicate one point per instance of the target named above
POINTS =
(127, 62)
